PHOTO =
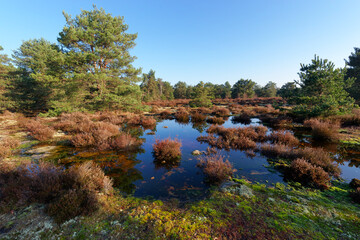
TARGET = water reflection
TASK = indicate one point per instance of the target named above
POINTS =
(138, 173)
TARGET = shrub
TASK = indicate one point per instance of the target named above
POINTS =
(39, 131)
(322, 129)
(165, 114)
(215, 120)
(215, 168)
(148, 122)
(66, 193)
(200, 102)
(221, 112)
(277, 150)
(167, 149)
(304, 172)
(6, 145)
(242, 118)
(182, 116)
(284, 137)
(111, 118)
(197, 117)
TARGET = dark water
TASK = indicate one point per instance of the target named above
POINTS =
(139, 174)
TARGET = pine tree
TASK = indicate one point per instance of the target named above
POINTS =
(353, 71)
(97, 53)
(323, 89)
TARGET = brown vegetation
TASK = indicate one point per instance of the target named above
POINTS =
(197, 117)
(66, 193)
(215, 120)
(306, 173)
(215, 168)
(182, 116)
(166, 114)
(283, 137)
(6, 146)
(323, 129)
(167, 149)
(38, 130)
(221, 112)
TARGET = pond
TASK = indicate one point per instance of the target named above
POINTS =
(139, 174)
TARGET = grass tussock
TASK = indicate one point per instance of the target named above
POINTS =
(167, 149)
(66, 193)
(324, 130)
(215, 167)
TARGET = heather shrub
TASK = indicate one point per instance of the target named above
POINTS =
(204, 110)
(283, 137)
(323, 129)
(182, 116)
(167, 149)
(166, 114)
(242, 118)
(111, 118)
(221, 112)
(215, 167)
(65, 193)
(304, 172)
(278, 151)
(6, 145)
(197, 117)
(38, 130)
(215, 120)
(148, 122)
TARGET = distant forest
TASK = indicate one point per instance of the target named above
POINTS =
(90, 69)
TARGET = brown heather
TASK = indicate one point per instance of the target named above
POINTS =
(182, 116)
(283, 137)
(38, 130)
(166, 114)
(66, 193)
(215, 120)
(323, 129)
(221, 112)
(197, 117)
(167, 149)
(215, 168)
(306, 173)
(6, 146)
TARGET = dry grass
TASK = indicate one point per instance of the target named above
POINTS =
(215, 167)
(323, 129)
(166, 114)
(167, 149)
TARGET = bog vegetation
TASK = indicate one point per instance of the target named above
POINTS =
(84, 94)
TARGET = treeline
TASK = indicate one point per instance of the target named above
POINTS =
(90, 69)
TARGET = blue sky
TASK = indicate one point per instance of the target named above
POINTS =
(210, 41)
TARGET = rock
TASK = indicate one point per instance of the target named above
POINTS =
(241, 190)
(165, 127)
(196, 152)
(355, 183)
(224, 187)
